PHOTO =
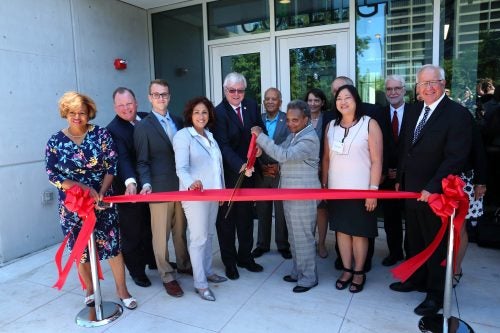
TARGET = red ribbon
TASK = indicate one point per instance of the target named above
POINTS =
(443, 205)
(78, 201)
(261, 194)
(252, 152)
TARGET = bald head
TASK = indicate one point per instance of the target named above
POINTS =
(339, 82)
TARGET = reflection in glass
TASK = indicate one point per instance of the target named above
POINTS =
(228, 18)
(312, 67)
(301, 14)
(248, 65)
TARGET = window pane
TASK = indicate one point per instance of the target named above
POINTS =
(470, 44)
(392, 37)
(228, 18)
(300, 14)
(312, 67)
(248, 65)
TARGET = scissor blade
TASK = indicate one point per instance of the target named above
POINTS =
(230, 202)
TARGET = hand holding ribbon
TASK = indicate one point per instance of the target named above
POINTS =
(443, 205)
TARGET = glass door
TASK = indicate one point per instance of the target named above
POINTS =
(252, 59)
(312, 61)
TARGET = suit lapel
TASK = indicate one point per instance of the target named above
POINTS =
(155, 123)
(232, 114)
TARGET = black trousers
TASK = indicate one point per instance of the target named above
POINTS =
(393, 221)
(423, 226)
(135, 232)
(240, 223)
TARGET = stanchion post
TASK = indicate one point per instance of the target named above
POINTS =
(101, 313)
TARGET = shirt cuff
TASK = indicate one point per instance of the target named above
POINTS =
(147, 185)
(129, 181)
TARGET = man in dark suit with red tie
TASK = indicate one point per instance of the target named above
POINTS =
(135, 227)
(235, 116)
(391, 124)
(437, 143)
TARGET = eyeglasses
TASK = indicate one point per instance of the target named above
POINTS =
(234, 91)
(432, 84)
(158, 95)
(395, 89)
(124, 106)
(72, 114)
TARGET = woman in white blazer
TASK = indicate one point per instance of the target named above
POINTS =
(198, 162)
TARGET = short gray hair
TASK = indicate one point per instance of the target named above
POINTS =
(233, 78)
(298, 104)
(396, 77)
(434, 68)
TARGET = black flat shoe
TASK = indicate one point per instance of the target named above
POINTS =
(340, 284)
(258, 252)
(289, 278)
(232, 273)
(251, 266)
(301, 289)
(141, 281)
(286, 254)
(357, 287)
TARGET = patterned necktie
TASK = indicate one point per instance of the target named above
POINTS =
(168, 129)
(395, 126)
(421, 124)
(238, 112)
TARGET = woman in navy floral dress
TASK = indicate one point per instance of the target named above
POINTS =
(84, 154)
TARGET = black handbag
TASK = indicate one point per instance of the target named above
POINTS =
(488, 230)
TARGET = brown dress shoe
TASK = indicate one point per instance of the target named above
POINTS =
(173, 288)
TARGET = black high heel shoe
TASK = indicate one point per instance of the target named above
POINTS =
(357, 287)
(341, 285)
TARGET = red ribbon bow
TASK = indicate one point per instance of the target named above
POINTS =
(78, 201)
(443, 205)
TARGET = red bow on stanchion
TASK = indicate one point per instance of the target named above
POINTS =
(443, 205)
(78, 201)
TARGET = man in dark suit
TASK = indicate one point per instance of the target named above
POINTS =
(156, 168)
(269, 177)
(391, 124)
(373, 111)
(135, 227)
(437, 142)
(235, 116)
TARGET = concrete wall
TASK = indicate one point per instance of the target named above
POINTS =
(48, 47)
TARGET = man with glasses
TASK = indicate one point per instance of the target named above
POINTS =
(391, 125)
(135, 225)
(156, 168)
(437, 142)
(235, 116)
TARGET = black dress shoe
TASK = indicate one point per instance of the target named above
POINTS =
(286, 254)
(232, 273)
(141, 280)
(289, 278)
(258, 251)
(428, 307)
(251, 266)
(301, 289)
(391, 260)
(404, 287)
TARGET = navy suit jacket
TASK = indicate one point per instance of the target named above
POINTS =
(122, 132)
(442, 147)
(234, 138)
(155, 154)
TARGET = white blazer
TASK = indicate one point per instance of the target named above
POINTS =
(197, 158)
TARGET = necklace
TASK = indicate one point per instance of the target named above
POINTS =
(77, 136)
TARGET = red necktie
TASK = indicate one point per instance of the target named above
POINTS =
(395, 126)
(238, 111)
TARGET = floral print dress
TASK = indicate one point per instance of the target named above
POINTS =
(86, 163)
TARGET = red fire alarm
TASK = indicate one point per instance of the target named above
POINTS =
(120, 64)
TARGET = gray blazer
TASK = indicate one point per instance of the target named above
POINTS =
(195, 161)
(155, 154)
(298, 158)
(280, 134)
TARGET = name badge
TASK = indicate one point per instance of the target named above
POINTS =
(338, 147)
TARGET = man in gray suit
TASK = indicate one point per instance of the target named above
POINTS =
(156, 168)
(298, 156)
(269, 177)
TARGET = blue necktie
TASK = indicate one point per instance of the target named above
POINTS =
(421, 124)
